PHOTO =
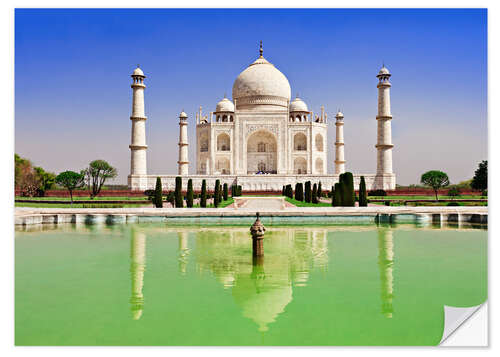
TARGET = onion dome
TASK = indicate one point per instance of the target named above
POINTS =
(339, 115)
(261, 84)
(225, 105)
(138, 72)
(298, 105)
(183, 115)
(383, 71)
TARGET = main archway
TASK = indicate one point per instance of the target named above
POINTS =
(261, 153)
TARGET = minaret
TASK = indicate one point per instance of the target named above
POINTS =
(384, 136)
(183, 145)
(339, 144)
(138, 141)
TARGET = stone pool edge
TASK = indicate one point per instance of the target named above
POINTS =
(25, 216)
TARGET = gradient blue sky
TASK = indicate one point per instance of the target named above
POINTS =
(73, 95)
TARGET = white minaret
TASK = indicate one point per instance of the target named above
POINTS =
(339, 144)
(183, 145)
(384, 136)
(138, 142)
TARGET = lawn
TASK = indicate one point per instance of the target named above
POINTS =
(78, 205)
(306, 204)
(429, 197)
(84, 198)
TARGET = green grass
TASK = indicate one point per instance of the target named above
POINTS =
(83, 198)
(77, 205)
(223, 204)
(421, 197)
(305, 204)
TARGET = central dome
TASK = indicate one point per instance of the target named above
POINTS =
(261, 84)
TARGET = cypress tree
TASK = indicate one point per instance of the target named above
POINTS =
(337, 194)
(158, 198)
(299, 192)
(307, 193)
(348, 195)
(289, 191)
(189, 195)
(216, 193)
(283, 191)
(179, 201)
(320, 191)
(363, 202)
(203, 196)
(314, 195)
(332, 196)
(225, 192)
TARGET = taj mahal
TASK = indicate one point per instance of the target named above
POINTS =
(261, 139)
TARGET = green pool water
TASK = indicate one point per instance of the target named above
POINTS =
(149, 284)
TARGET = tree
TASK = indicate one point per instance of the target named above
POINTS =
(480, 179)
(179, 200)
(46, 180)
(314, 194)
(283, 191)
(299, 192)
(320, 191)
(158, 197)
(307, 192)
(337, 194)
(435, 179)
(71, 181)
(363, 201)
(225, 192)
(217, 193)
(189, 195)
(96, 174)
(347, 188)
(203, 196)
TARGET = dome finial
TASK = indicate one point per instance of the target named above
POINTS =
(261, 50)
(138, 66)
(225, 95)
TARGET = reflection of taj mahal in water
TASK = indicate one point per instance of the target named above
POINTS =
(262, 139)
(260, 288)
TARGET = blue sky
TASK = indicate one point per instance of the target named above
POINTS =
(73, 95)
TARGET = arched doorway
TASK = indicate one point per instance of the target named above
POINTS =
(300, 166)
(261, 153)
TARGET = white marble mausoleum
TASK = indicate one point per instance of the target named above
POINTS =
(261, 139)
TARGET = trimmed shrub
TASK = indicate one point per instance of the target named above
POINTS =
(158, 198)
(307, 192)
(337, 194)
(225, 192)
(189, 195)
(314, 194)
(454, 192)
(171, 198)
(348, 195)
(299, 192)
(179, 202)
(203, 194)
(453, 204)
(320, 191)
(289, 191)
(363, 201)
(377, 193)
(283, 191)
(217, 193)
(387, 203)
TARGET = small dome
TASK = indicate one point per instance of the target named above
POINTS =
(383, 71)
(339, 114)
(138, 72)
(225, 105)
(298, 105)
(183, 115)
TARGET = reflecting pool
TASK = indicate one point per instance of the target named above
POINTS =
(149, 284)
